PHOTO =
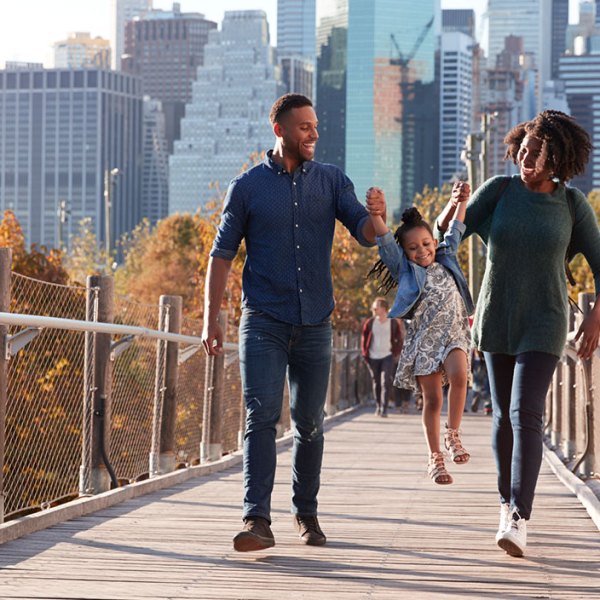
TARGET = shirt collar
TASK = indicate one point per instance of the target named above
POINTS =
(306, 166)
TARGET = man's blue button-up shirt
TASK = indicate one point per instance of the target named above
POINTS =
(287, 221)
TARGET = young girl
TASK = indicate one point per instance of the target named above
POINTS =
(433, 294)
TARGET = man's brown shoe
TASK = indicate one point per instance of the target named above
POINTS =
(256, 535)
(309, 530)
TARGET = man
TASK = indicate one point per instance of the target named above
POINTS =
(381, 344)
(285, 209)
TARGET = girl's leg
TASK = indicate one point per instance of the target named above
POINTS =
(456, 371)
(456, 365)
(431, 387)
(500, 369)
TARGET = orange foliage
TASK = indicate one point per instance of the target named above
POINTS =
(39, 263)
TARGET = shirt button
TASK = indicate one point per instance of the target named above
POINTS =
(298, 268)
(294, 183)
(296, 224)
(300, 290)
(298, 247)
(295, 204)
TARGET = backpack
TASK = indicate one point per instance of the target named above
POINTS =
(570, 253)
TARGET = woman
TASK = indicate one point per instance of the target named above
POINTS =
(527, 222)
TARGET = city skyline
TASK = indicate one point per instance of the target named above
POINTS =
(54, 21)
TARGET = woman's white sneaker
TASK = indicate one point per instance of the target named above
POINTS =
(514, 539)
(503, 524)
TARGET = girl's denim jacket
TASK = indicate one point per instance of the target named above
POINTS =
(411, 277)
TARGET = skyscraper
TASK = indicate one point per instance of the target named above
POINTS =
(80, 50)
(459, 20)
(580, 72)
(227, 120)
(534, 22)
(521, 18)
(510, 97)
(581, 76)
(332, 47)
(61, 132)
(559, 24)
(155, 172)
(392, 109)
(456, 81)
(165, 49)
(123, 11)
(296, 24)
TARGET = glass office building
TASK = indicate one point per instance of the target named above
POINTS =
(332, 43)
(60, 131)
(391, 101)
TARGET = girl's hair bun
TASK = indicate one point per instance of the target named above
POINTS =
(411, 216)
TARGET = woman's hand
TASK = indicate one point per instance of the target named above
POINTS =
(461, 191)
(589, 332)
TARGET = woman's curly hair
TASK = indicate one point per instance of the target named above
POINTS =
(411, 219)
(566, 145)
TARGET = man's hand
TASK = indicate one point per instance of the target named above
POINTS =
(212, 339)
(375, 204)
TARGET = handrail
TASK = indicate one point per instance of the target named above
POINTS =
(97, 327)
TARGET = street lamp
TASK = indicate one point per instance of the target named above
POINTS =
(62, 213)
(110, 177)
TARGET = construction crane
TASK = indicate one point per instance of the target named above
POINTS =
(403, 61)
(407, 118)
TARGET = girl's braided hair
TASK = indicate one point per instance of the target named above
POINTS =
(566, 145)
(411, 219)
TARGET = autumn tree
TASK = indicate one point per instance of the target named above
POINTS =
(85, 256)
(37, 262)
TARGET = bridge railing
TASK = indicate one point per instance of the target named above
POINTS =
(98, 391)
(572, 422)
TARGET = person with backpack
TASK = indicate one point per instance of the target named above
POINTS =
(529, 223)
(381, 343)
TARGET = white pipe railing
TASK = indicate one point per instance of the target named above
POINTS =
(97, 327)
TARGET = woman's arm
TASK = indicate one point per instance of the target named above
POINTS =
(586, 239)
(456, 207)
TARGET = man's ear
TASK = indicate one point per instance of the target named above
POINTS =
(277, 129)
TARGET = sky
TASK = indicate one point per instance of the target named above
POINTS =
(29, 28)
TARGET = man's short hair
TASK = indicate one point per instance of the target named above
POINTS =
(286, 103)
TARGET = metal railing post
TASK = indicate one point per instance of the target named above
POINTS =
(100, 291)
(212, 446)
(330, 408)
(5, 272)
(585, 301)
(554, 405)
(163, 454)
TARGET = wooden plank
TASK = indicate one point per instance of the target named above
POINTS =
(391, 534)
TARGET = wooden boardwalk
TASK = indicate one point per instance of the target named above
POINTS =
(392, 534)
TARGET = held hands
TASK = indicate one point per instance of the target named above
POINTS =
(375, 204)
(376, 208)
(461, 191)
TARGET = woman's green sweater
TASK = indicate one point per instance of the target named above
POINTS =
(523, 303)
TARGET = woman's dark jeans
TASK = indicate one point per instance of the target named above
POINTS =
(270, 349)
(519, 385)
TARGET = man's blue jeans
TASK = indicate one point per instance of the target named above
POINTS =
(269, 349)
(518, 386)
